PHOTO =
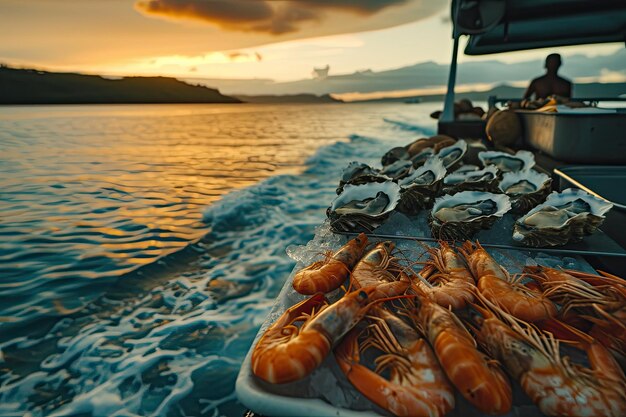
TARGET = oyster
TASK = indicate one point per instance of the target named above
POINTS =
(460, 216)
(363, 207)
(525, 188)
(398, 169)
(485, 179)
(359, 173)
(420, 187)
(466, 168)
(420, 158)
(521, 161)
(564, 217)
(452, 155)
(394, 154)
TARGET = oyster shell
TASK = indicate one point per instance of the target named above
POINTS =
(420, 187)
(460, 216)
(359, 173)
(363, 207)
(525, 188)
(564, 217)
(421, 158)
(394, 154)
(452, 155)
(399, 169)
(485, 179)
(521, 161)
(466, 168)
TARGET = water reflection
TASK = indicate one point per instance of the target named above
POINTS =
(94, 318)
(98, 190)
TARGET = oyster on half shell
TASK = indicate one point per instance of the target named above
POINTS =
(421, 158)
(420, 187)
(453, 154)
(505, 162)
(460, 216)
(394, 154)
(363, 207)
(525, 188)
(485, 179)
(359, 173)
(399, 169)
(564, 217)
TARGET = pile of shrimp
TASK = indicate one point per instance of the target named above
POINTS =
(409, 334)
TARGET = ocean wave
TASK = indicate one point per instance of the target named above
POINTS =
(168, 338)
(411, 127)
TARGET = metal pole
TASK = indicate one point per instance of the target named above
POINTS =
(448, 108)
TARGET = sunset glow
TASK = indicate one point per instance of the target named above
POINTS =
(223, 39)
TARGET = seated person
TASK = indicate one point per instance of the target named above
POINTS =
(550, 84)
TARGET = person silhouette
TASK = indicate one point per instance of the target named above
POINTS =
(550, 83)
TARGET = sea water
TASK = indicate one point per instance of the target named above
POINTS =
(141, 247)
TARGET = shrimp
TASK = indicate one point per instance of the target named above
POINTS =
(373, 267)
(556, 385)
(576, 289)
(613, 337)
(417, 386)
(328, 275)
(286, 353)
(557, 275)
(495, 284)
(595, 298)
(479, 378)
(453, 282)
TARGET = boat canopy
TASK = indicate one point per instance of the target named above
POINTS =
(496, 26)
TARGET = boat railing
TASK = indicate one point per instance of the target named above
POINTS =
(592, 101)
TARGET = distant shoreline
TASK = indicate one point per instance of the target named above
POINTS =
(29, 87)
(33, 87)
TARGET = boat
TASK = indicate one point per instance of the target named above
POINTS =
(493, 26)
(567, 140)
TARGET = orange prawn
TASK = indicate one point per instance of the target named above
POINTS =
(556, 385)
(417, 386)
(495, 284)
(479, 378)
(328, 275)
(453, 284)
(374, 267)
(286, 353)
(579, 289)
(575, 289)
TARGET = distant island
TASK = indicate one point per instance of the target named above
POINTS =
(29, 86)
(289, 98)
(580, 90)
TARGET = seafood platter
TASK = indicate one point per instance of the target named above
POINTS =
(366, 326)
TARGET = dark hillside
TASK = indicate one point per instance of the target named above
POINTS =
(26, 86)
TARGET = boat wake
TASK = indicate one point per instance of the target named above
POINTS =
(168, 338)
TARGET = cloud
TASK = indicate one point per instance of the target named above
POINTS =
(264, 16)
(239, 56)
(226, 13)
(365, 7)
(192, 63)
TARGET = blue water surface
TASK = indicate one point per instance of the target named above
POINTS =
(141, 247)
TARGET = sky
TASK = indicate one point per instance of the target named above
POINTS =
(281, 40)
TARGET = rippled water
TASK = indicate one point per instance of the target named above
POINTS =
(117, 297)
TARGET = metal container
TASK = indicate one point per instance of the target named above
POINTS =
(590, 136)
